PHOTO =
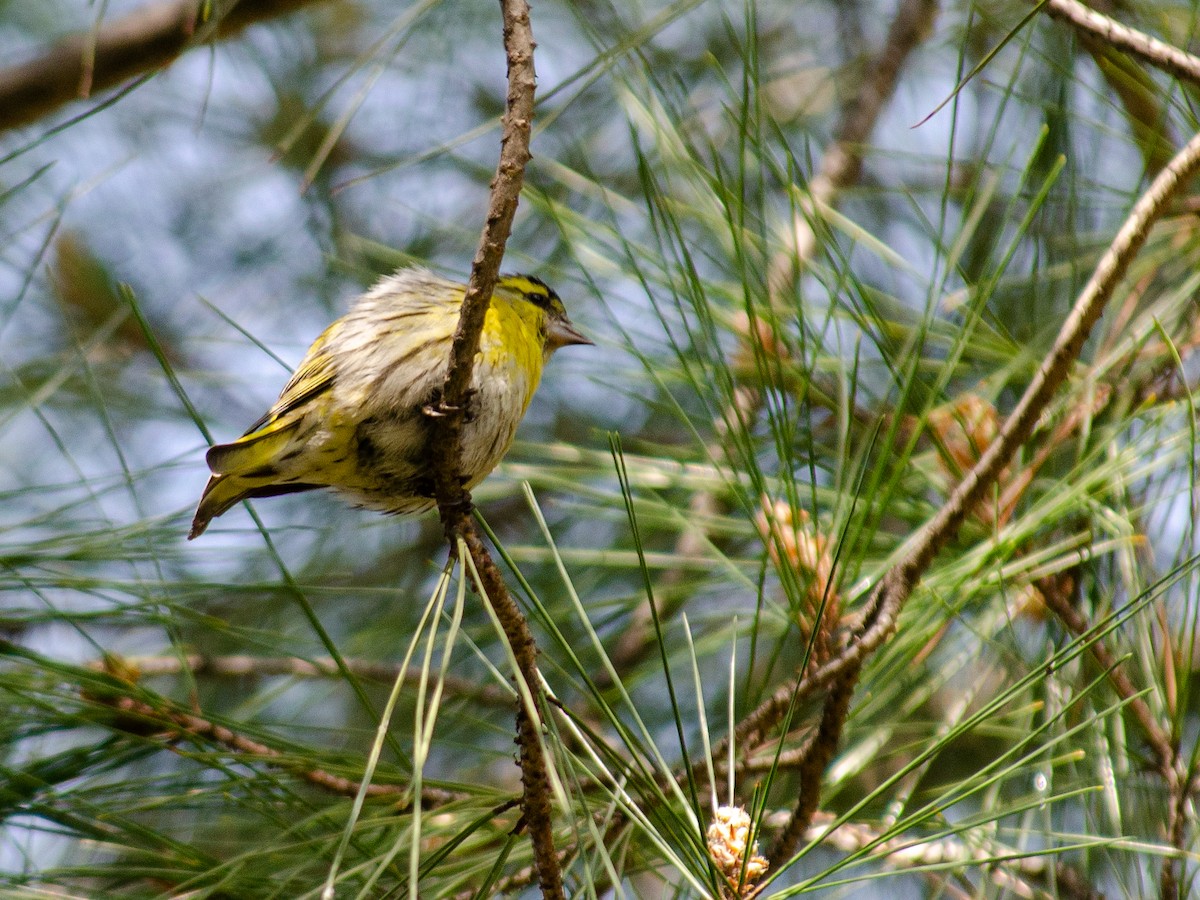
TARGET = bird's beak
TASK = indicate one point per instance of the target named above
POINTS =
(560, 333)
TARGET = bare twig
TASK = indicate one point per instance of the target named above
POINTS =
(1159, 54)
(142, 41)
(454, 501)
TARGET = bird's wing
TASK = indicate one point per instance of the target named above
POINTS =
(312, 377)
(254, 452)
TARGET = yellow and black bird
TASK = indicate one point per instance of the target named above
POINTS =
(352, 417)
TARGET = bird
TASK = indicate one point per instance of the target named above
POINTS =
(355, 416)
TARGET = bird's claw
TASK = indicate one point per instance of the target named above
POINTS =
(439, 410)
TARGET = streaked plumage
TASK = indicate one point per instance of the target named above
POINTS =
(352, 415)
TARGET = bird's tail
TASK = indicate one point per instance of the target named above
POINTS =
(221, 492)
(244, 469)
(225, 491)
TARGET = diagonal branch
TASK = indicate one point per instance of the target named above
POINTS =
(898, 583)
(1109, 31)
(141, 718)
(141, 42)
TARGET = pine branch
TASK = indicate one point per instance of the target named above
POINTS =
(840, 167)
(898, 583)
(139, 717)
(240, 666)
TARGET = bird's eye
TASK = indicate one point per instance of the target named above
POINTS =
(539, 296)
(533, 290)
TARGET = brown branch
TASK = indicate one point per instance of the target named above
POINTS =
(898, 583)
(536, 810)
(240, 666)
(138, 717)
(1158, 53)
(141, 42)
(812, 769)
(454, 501)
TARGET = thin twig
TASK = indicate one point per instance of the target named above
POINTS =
(454, 501)
(241, 666)
(141, 42)
(138, 717)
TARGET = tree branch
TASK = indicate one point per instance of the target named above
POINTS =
(454, 501)
(897, 584)
(812, 769)
(143, 41)
(139, 717)
(240, 666)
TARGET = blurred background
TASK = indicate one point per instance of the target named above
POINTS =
(795, 362)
